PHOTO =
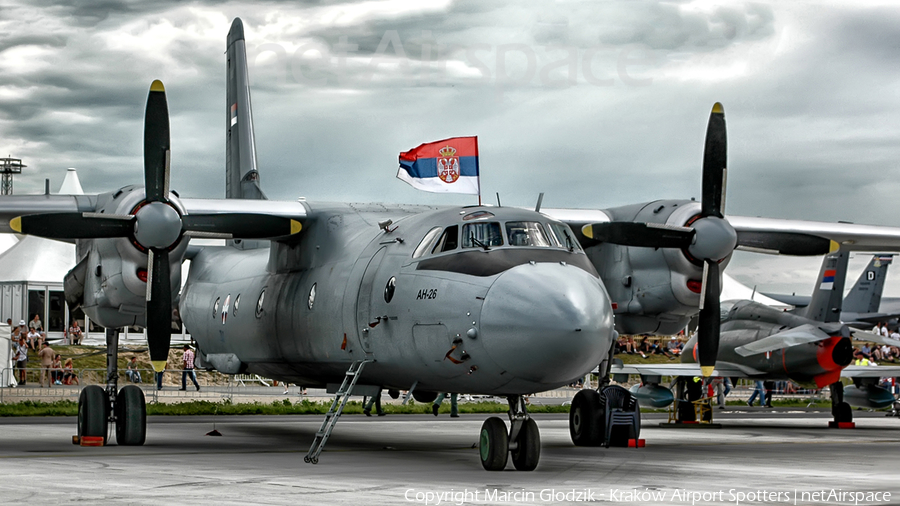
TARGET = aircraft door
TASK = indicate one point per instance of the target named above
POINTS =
(366, 320)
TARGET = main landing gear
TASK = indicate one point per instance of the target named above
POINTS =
(523, 441)
(609, 417)
(126, 408)
(840, 410)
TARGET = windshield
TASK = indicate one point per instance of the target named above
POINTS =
(526, 233)
(564, 236)
(481, 235)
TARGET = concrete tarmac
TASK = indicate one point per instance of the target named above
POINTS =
(756, 457)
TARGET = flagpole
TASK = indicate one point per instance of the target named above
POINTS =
(478, 169)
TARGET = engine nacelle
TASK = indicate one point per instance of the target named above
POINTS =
(655, 290)
(109, 280)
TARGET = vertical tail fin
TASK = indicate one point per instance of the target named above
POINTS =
(241, 174)
(865, 296)
(827, 297)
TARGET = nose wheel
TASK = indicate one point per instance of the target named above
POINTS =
(522, 442)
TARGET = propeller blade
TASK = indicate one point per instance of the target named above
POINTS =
(714, 160)
(648, 235)
(159, 307)
(73, 225)
(708, 326)
(240, 226)
(156, 144)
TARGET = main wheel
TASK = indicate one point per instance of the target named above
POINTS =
(842, 413)
(131, 416)
(528, 447)
(493, 445)
(93, 412)
(585, 420)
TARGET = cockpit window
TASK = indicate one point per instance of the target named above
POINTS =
(482, 235)
(449, 240)
(425, 245)
(526, 233)
(478, 215)
(564, 237)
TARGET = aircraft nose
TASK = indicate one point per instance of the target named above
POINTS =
(547, 322)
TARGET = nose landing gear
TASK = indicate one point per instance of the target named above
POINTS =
(523, 441)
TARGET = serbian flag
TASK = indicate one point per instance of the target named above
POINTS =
(447, 166)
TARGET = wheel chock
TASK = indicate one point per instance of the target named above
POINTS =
(841, 425)
(637, 443)
(91, 441)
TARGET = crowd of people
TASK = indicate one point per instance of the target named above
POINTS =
(646, 346)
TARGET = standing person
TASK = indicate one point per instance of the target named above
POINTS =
(770, 389)
(760, 390)
(74, 333)
(187, 361)
(22, 359)
(454, 409)
(46, 355)
(374, 400)
(56, 370)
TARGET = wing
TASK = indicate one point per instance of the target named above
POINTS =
(803, 334)
(722, 369)
(771, 235)
(868, 371)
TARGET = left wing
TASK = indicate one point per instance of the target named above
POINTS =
(869, 371)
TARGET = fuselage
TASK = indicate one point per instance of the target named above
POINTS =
(488, 300)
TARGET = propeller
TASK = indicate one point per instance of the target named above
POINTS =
(708, 238)
(156, 225)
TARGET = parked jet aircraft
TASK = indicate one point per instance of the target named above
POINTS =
(760, 342)
(861, 304)
(418, 298)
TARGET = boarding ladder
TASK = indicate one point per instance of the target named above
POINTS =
(337, 407)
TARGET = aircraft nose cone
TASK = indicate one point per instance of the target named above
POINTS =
(547, 323)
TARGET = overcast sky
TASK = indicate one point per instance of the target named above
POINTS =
(596, 104)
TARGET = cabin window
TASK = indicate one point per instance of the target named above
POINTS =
(389, 289)
(449, 240)
(482, 235)
(425, 245)
(478, 215)
(526, 233)
(216, 307)
(260, 301)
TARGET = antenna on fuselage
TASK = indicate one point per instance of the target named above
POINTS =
(498, 200)
(537, 207)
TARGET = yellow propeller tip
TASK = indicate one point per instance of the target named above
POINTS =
(707, 370)
(588, 231)
(834, 246)
(718, 109)
(158, 365)
(296, 227)
(157, 85)
(16, 224)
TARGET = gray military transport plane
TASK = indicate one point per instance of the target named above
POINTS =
(369, 296)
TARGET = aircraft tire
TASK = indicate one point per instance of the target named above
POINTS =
(585, 420)
(493, 444)
(842, 413)
(93, 412)
(131, 416)
(528, 449)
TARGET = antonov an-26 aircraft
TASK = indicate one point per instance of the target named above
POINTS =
(418, 298)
